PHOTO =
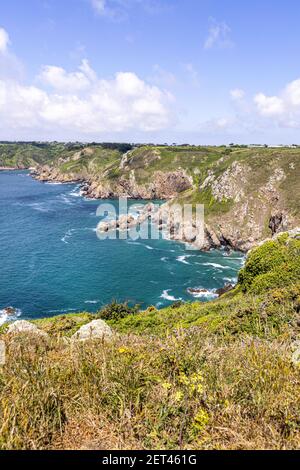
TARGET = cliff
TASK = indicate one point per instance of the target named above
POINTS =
(249, 193)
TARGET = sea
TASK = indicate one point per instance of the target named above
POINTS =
(53, 262)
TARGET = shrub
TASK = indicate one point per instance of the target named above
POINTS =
(274, 264)
(116, 311)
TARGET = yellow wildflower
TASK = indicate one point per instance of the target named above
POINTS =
(178, 396)
(124, 350)
(166, 385)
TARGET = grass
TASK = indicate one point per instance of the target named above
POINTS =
(183, 392)
(218, 375)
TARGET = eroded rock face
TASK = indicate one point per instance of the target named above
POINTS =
(230, 184)
(96, 329)
(162, 186)
(167, 185)
(47, 174)
(25, 327)
(276, 223)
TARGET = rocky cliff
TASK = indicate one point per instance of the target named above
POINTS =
(248, 194)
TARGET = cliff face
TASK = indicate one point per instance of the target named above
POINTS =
(248, 194)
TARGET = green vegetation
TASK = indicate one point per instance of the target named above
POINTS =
(116, 311)
(218, 375)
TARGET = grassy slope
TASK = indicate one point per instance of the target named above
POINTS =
(97, 161)
(199, 376)
(28, 155)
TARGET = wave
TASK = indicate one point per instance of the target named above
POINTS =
(148, 247)
(165, 295)
(183, 258)
(39, 206)
(64, 310)
(164, 259)
(77, 191)
(68, 235)
(231, 280)
(5, 317)
(204, 294)
(70, 232)
(92, 301)
(65, 199)
(216, 265)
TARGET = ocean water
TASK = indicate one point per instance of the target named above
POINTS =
(52, 261)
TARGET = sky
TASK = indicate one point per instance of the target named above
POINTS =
(184, 71)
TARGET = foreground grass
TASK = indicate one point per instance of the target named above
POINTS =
(183, 392)
(198, 376)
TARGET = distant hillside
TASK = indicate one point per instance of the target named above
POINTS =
(249, 193)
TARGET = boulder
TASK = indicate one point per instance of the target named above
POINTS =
(9, 311)
(103, 227)
(296, 353)
(96, 329)
(25, 327)
(224, 290)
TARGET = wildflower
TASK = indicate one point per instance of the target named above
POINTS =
(124, 350)
(166, 385)
(201, 420)
(194, 382)
(178, 396)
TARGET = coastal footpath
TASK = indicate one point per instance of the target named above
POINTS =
(249, 194)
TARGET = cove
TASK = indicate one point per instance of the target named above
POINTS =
(52, 261)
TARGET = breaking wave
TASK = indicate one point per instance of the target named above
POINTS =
(165, 295)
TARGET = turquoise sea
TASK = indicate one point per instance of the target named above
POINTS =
(53, 262)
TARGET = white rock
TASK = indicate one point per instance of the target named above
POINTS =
(96, 329)
(23, 326)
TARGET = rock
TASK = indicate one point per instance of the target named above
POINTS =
(296, 353)
(9, 311)
(224, 290)
(25, 327)
(230, 185)
(192, 290)
(96, 329)
(103, 227)
(278, 222)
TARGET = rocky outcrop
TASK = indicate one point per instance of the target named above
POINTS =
(162, 186)
(24, 327)
(47, 174)
(230, 184)
(96, 329)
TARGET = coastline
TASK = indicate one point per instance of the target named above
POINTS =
(6, 168)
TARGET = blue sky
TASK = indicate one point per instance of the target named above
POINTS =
(198, 71)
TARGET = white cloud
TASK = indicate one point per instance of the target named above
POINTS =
(292, 93)
(218, 35)
(269, 106)
(237, 94)
(119, 9)
(283, 108)
(4, 41)
(82, 103)
(99, 6)
(59, 79)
